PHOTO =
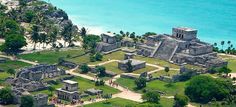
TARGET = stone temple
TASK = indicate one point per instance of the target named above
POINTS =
(69, 92)
(182, 47)
(109, 43)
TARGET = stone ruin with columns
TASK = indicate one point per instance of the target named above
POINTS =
(182, 47)
(109, 43)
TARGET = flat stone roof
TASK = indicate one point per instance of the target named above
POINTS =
(186, 29)
(70, 82)
(109, 34)
(134, 61)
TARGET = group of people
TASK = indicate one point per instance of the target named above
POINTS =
(113, 84)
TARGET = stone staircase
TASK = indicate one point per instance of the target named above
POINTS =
(155, 50)
(173, 53)
(166, 50)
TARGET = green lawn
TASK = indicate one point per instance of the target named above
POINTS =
(115, 102)
(155, 85)
(84, 84)
(157, 62)
(232, 64)
(162, 72)
(114, 68)
(13, 64)
(119, 55)
(51, 57)
(119, 102)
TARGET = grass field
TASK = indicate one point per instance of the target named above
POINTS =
(115, 102)
(51, 57)
(84, 84)
(232, 65)
(114, 68)
(13, 64)
(119, 102)
(155, 85)
(162, 72)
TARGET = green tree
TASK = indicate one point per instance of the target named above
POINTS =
(6, 95)
(222, 44)
(13, 44)
(225, 70)
(101, 70)
(90, 42)
(98, 56)
(27, 101)
(167, 69)
(53, 34)
(180, 100)
(43, 38)
(140, 83)
(149, 34)
(152, 97)
(129, 66)
(29, 15)
(35, 36)
(83, 32)
(203, 89)
(67, 34)
(84, 68)
(51, 89)
(11, 72)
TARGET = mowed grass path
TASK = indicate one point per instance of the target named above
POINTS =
(119, 102)
(113, 67)
(13, 65)
(84, 84)
(51, 57)
(177, 87)
(119, 55)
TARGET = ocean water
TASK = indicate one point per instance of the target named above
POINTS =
(215, 19)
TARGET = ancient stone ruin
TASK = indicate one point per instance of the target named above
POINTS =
(181, 47)
(69, 92)
(135, 64)
(39, 72)
(109, 43)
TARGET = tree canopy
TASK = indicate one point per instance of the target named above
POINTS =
(6, 95)
(13, 44)
(27, 101)
(151, 96)
(203, 89)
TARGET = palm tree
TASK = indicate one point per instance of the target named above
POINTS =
(35, 35)
(127, 34)
(222, 44)
(83, 31)
(215, 44)
(43, 38)
(53, 33)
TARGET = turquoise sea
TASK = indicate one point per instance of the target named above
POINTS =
(215, 19)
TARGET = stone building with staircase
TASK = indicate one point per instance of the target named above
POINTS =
(182, 47)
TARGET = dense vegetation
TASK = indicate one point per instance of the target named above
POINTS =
(39, 22)
(203, 89)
